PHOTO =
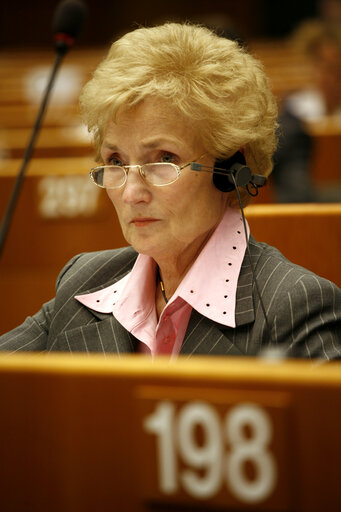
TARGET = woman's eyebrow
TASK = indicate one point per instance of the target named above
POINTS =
(107, 145)
(153, 142)
(149, 143)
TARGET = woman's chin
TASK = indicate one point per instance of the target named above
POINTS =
(150, 246)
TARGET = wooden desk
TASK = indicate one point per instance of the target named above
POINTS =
(87, 433)
(307, 234)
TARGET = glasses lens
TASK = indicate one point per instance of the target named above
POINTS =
(109, 176)
(160, 174)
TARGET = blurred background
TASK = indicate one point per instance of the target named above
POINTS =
(299, 44)
(60, 213)
(28, 24)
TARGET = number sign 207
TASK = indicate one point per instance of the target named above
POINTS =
(201, 467)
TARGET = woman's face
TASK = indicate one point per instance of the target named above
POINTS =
(164, 222)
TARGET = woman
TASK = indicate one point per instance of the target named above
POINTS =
(166, 104)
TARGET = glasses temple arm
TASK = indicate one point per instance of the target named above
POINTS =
(256, 179)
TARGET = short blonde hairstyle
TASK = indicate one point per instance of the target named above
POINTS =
(211, 80)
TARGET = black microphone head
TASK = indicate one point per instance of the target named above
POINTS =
(68, 22)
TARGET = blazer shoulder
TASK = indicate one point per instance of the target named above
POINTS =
(272, 266)
(97, 269)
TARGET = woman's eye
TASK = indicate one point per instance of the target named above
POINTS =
(168, 158)
(114, 161)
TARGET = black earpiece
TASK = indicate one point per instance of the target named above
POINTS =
(232, 173)
(224, 182)
(237, 173)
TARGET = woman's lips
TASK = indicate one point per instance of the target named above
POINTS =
(140, 222)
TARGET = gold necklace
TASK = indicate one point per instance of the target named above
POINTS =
(161, 285)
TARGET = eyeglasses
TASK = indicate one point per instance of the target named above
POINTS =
(158, 174)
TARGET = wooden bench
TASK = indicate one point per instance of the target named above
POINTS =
(51, 142)
(287, 69)
(24, 116)
(326, 160)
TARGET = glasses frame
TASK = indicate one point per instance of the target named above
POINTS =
(125, 168)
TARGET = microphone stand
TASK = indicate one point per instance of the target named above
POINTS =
(28, 152)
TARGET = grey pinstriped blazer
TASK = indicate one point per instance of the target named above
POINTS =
(303, 312)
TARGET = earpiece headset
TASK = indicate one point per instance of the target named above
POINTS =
(243, 177)
(232, 172)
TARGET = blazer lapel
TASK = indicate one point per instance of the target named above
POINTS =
(106, 336)
(204, 337)
(245, 311)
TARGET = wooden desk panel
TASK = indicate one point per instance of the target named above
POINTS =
(307, 234)
(75, 434)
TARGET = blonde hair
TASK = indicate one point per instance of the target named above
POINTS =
(209, 79)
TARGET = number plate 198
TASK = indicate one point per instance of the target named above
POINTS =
(210, 446)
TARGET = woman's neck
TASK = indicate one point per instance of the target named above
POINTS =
(171, 271)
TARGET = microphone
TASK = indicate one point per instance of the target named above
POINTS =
(68, 22)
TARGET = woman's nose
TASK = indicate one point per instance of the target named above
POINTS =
(135, 190)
